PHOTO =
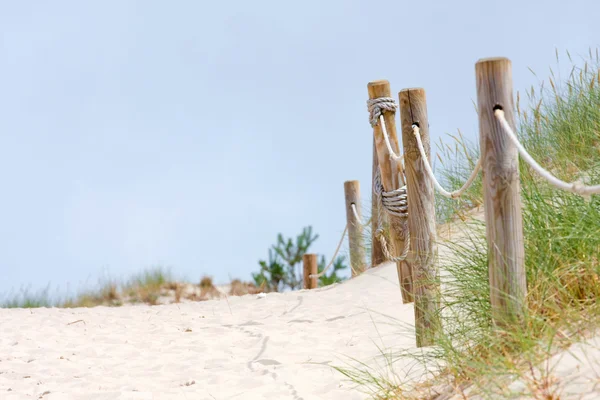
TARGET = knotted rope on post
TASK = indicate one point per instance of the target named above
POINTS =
(378, 106)
(393, 202)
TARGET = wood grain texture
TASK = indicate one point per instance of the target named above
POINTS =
(501, 191)
(377, 256)
(310, 267)
(390, 178)
(355, 228)
(421, 217)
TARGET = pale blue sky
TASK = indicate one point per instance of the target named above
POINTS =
(190, 133)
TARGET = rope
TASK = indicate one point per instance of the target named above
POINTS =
(576, 187)
(394, 203)
(355, 212)
(357, 217)
(376, 108)
(393, 156)
(451, 195)
(320, 274)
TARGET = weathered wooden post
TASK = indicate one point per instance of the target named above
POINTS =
(421, 217)
(355, 228)
(310, 265)
(377, 256)
(391, 180)
(501, 191)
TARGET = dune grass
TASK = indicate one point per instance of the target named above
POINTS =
(151, 286)
(560, 126)
(27, 299)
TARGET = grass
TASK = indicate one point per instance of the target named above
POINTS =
(146, 287)
(560, 126)
(152, 286)
(26, 299)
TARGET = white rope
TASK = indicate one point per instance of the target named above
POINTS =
(357, 217)
(574, 187)
(393, 155)
(394, 203)
(355, 212)
(376, 109)
(377, 106)
(320, 274)
(443, 192)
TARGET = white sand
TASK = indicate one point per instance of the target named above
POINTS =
(278, 347)
(572, 374)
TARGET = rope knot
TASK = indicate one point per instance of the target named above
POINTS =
(394, 202)
(378, 106)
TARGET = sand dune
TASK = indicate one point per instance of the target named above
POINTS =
(282, 346)
(278, 347)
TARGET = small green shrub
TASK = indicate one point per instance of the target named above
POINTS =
(283, 269)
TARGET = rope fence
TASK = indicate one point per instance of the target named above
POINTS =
(576, 187)
(394, 202)
(500, 186)
(337, 250)
(451, 195)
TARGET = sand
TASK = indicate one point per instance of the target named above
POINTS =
(282, 346)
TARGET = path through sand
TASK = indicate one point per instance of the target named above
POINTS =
(282, 346)
(278, 347)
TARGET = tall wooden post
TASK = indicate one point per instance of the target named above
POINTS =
(377, 256)
(310, 267)
(501, 191)
(421, 217)
(355, 228)
(391, 180)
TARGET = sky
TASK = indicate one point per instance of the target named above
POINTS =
(188, 134)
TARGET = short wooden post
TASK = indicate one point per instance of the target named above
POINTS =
(421, 217)
(501, 191)
(310, 265)
(377, 256)
(355, 228)
(391, 180)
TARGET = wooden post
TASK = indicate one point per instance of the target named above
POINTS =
(501, 191)
(391, 179)
(355, 228)
(310, 265)
(377, 256)
(421, 217)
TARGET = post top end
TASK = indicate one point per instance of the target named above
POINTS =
(379, 88)
(412, 89)
(492, 59)
(378, 82)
